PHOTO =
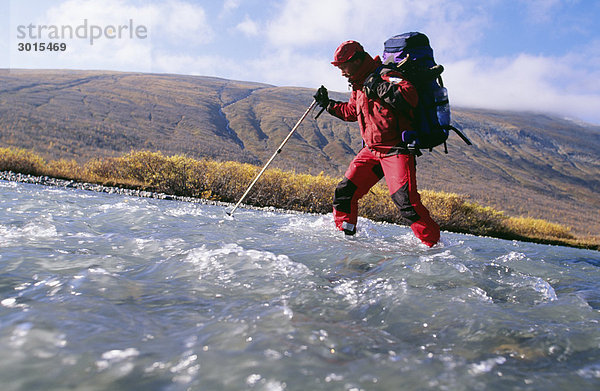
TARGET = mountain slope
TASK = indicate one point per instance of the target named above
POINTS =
(523, 163)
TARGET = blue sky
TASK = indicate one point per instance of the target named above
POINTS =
(535, 55)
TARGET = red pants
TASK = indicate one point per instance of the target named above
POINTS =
(400, 173)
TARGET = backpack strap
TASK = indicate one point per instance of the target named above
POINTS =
(461, 135)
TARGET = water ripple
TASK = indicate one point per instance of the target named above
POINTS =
(101, 291)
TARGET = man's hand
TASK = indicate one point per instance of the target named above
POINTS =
(322, 97)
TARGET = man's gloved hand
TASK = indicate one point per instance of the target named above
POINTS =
(322, 97)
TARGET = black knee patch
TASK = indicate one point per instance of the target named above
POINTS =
(402, 201)
(342, 197)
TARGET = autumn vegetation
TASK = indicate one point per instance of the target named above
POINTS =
(226, 181)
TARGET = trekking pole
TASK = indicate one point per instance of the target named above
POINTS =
(273, 157)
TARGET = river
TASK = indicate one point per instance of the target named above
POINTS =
(111, 292)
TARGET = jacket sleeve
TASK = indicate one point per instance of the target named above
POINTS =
(344, 110)
(398, 93)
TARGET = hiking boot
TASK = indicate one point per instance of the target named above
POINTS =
(349, 229)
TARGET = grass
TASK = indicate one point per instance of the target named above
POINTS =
(226, 181)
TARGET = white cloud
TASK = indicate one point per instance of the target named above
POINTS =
(182, 21)
(288, 71)
(284, 68)
(542, 10)
(302, 23)
(248, 27)
(207, 65)
(171, 20)
(231, 5)
(84, 27)
(307, 28)
(300, 26)
(456, 29)
(173, 23)
(307, 22)
(291, 42)
(526, 82)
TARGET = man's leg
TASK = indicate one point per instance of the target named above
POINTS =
(362, 174)
(401, 177)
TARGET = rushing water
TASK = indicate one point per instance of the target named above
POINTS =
(109, 292)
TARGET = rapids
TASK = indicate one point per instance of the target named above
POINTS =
(110, 292)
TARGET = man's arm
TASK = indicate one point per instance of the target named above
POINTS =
(343, 110)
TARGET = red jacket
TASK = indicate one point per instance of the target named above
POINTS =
(381, 124)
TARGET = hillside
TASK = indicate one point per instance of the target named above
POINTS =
(522, 163)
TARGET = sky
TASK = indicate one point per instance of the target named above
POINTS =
(532, 55)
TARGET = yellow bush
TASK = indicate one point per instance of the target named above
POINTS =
(103, 169)
(227, 181)
(68, 169)
(446, 208)
(230, 179)
(531, 227)
(21, 160)
(165, 174)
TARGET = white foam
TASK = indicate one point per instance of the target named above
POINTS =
(348, 289)
(473, 293)
(223, 260)
(185, 210)
(307, 225)
(590, 372)
(486, 365)
(253, 379)
(8, 185)
(119, 358)
(118, 355)
(512, 256)
(29, 231)
(10, 302)
(20, 333)
(543, 287)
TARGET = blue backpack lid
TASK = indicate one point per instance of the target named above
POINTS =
(414, 43)
(407, 40)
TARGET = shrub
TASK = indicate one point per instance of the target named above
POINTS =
(227, 181)
(64, 169)
(98, 170)
(533, 228)
(21, 160)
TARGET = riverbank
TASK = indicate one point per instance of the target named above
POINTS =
(153, 175)
(56, 182)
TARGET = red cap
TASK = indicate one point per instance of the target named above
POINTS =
(346, 51)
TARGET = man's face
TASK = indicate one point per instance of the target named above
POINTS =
(349, 68)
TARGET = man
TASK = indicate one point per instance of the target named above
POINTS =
(383, 106)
